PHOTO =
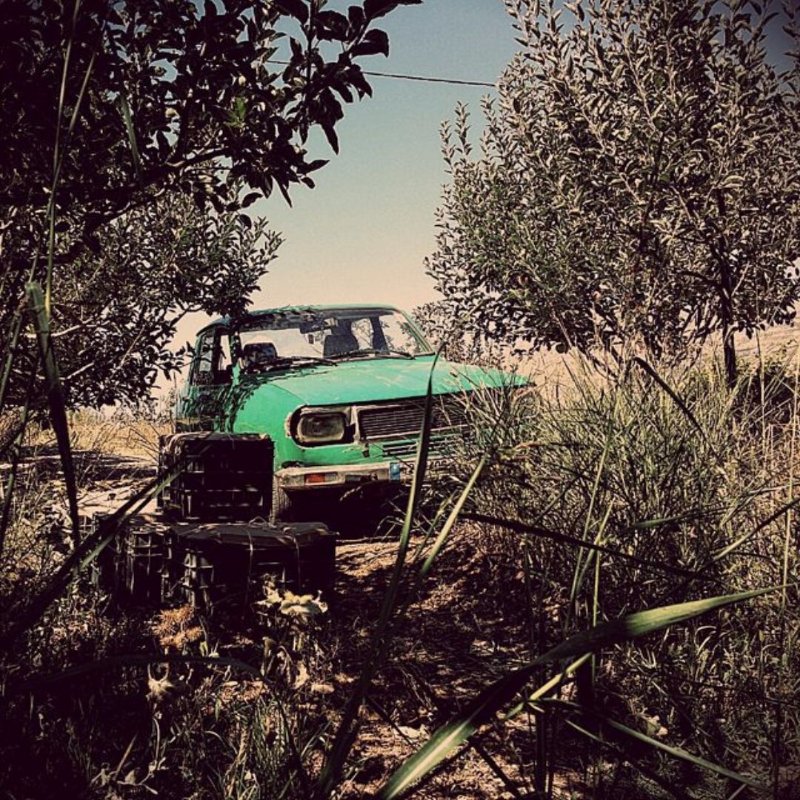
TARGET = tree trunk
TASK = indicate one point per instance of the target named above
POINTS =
(726, 324)
(725, 264)
(729, 353)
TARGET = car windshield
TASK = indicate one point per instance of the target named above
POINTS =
(279, 339)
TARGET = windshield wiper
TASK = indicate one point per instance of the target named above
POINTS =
(310, 359)
(376, 351)
(282, 362)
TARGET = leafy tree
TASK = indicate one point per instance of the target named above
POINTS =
(107, 111)
(467, 346)
(118, 304)
(639, 183)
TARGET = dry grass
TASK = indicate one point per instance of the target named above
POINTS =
(620, 466)
(554, 373)
(124, 434)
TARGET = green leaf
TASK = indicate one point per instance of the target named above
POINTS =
(295, 8)
(378, 8)
(331, 25)
(641, 623)
(355, 15)
(129, 130)
(621, 733)
(499, 694)
(374, 42)
(250, 198)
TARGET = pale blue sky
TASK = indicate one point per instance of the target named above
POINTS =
(362, 234)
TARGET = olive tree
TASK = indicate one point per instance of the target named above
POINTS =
(458, 340)
(109, 111)
(119, 303)
(639, 180)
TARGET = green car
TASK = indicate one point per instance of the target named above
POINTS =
(340, 390)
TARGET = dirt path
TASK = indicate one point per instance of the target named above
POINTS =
(450, 643)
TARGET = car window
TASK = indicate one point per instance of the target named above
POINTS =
(212, 359)
(203, 365)
(363, 331)
(399, 334)
(325, 333)
(224, 361)
(287, 342)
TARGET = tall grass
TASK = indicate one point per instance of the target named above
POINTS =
(638, 529)
(635, 493)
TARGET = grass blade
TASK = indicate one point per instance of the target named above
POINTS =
(452, 517)
(621, 733)
(728, 549)
(10, 352)
(556, 536)
(16, 458)
(499, 694)
(672, 789)
(55, 400)
(61, 148)
(129, 129)
(674, 396)
(346, 731)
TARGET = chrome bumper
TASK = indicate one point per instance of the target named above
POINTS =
(294, 479)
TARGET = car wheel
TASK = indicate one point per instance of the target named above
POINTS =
(282, 504)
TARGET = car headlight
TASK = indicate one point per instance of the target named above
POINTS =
(321, 427)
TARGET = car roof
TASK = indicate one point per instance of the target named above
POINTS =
(226, 322)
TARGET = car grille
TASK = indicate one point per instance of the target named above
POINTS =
(405, 419)
(442, 445)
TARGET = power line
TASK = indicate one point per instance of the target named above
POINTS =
(420, 78)
(452, 81)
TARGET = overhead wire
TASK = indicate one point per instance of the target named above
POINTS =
(420, 78)
(452, 81)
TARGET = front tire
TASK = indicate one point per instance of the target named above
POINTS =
(283, 509)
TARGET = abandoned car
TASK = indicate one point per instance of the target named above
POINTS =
(339, 390)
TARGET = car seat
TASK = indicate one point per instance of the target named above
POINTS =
(256, 353)
(337, 344)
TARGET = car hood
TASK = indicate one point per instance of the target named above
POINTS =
(374, 380)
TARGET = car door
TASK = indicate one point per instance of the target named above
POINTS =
(203, 400)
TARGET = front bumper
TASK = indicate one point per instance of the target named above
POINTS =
(294, 479)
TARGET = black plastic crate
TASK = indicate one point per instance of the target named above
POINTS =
(208, 562)
(130, 566)
(223, 476)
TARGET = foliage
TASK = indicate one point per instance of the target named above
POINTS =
(106, 107)
(638, 182)
(442, 330)
(629, 496)
(183, 721)
(118, 306)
